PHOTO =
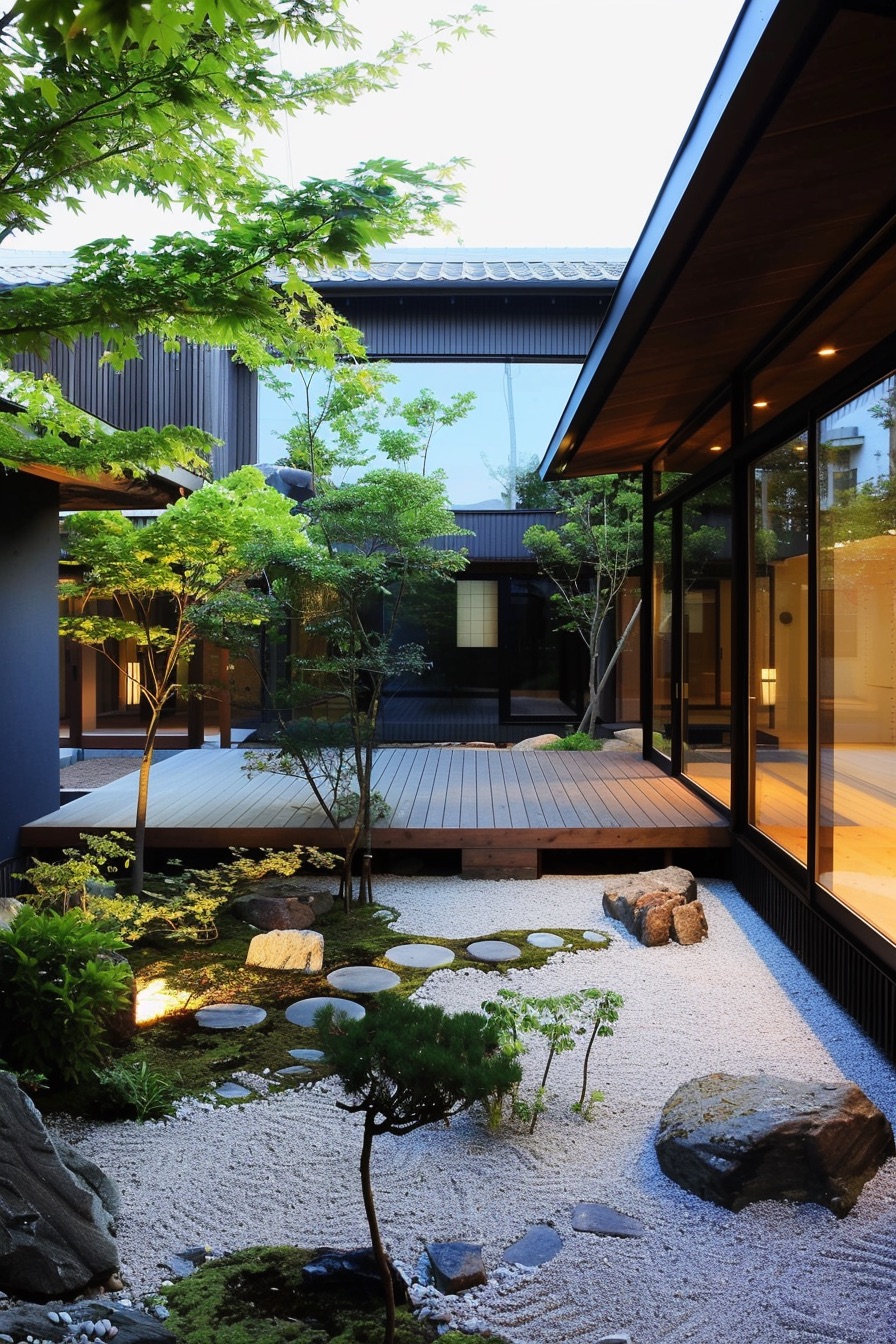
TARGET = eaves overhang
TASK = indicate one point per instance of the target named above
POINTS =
(784, 176)
(155, 490)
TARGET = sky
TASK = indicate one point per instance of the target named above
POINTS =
(570, 116)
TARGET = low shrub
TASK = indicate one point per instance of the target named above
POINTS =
(59, 987)
(574, 742)
(129, 1088)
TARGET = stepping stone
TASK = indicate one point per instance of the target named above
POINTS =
(606, 1222)
(422, 956)
(545, 940)
(457, 1265)
(537, 1247)
(231, 1091)
(229, 1016)
(308, 1056)
(493, 949)
(593, 937)
(294, 1071)
(301, 1014)
(363, 979)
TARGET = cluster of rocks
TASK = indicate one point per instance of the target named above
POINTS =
(657, 906)
(284, 912)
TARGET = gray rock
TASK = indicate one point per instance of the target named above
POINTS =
(493, 949)
(545, 940)
(132, 1326)
(287, 950)
(363, 979)
(604, 1221)
(184, 1263)
(232, 1091)
(56, 1232)
(303, 1012)
(634, 736)
(537, 743)
(9, 908)
(229, 1016)
(423, 956)
(738, 1139)
(644, 902)
(274, 912)
(307, 1056)
(357, 1269)
(457, 1265)
(537, 1247)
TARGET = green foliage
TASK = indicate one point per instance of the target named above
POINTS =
(131, 1089)
(574, 742)
(58, 988)
(58, 885)
(559, 1019)
(258, 1296)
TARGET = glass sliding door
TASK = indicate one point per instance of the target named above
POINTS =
(706, 642)
(662, 634)
(857, 655)
(779, 648)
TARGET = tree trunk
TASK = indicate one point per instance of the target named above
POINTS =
(588, 718)
(138, 871)
(379, 1253)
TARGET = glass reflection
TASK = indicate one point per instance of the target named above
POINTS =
(779, 649)
(662, 634)
(857, 654)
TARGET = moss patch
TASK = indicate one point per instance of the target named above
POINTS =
(258, 1296)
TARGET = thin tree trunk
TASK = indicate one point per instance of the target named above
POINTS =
(379, 1253)
(138, 871)
(592, 704)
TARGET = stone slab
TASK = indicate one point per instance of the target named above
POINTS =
(287, 950)
(457, 1265)
(232, 1091)
(592, 936)
(363, 979)
(295, 1071)
(605, 1221)
(421, 956)
(229, 1016)
(545, 940)
(540, 1244)
(494, 950)
(133, 1326)
(302, 1013)
(307, 1056)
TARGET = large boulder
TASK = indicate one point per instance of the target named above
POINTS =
(646, 904)
(57, 1209)
(537, 743)
(738, 1139)
(287, 950)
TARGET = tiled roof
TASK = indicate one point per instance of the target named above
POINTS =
(396, 266)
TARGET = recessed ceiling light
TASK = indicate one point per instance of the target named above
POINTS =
(827, 350)
(760, 405)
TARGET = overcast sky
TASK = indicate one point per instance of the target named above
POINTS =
(570, 114)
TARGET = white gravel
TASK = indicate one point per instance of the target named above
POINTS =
(284, 1170)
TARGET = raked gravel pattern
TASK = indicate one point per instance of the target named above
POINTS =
(284, 1169)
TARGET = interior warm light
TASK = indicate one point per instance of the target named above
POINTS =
(156, 1000)
(761, 405)
(715, 448)
(132, 684)
(768, 685)
(799, 447)
(827, 350)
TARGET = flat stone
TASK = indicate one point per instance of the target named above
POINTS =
(540, 1244)
(133, 1326)
(457, 1265)
(307, 1056)
(294, 1071)
(735, 1139)
(592, 936)
(302, 1013)
(287, 950)
(545, 940)
(184, 1263)
(232, 1091)
(229, 1016)
(422, 956)
(604, 1221)
(493, 949)
(363, 979)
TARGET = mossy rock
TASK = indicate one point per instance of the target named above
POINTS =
(258, 1296)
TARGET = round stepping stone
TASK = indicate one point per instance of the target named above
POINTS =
(493, 949)
(545, 940)
(232, 1091)
(301, 1014)
(422, 956)
(229, 1016)
(308, 1056)
(363, 979)
(593, 937)
(294, 1071)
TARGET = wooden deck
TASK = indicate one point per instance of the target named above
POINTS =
(501, 809)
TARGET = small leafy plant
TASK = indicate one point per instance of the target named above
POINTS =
(574, 742)
(59, 987)
(58, 885)
(132, 1089)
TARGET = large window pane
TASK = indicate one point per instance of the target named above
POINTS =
(779, 667)
(662, 634)
(857, 654)
(706, 704)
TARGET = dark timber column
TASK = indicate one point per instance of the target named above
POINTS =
(29, 657)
